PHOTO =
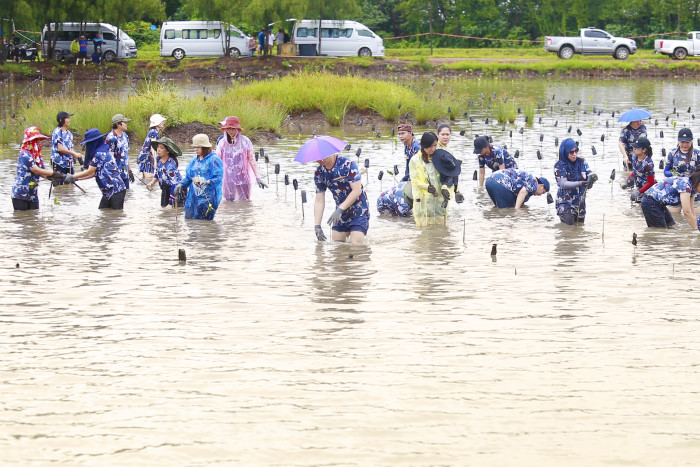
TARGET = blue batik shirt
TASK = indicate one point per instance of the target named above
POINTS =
(629, 135)
(675, 158)
(107, 175)
(64, 137)
(668, 191)
(119, 146)
(642, 170)
(497, 157)
(25, 177)
(145, 153)
(570, 199)
(515, 180)
(410, 151)
(167, 173)
(393, 202)
(338, 181)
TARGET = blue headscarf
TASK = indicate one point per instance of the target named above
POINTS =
(92, 148)
(573, 168)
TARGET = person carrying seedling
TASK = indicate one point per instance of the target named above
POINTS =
(574, 178)
(204, 174)
(642, 176)
(167, 173)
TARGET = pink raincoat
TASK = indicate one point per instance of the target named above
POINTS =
(240, 168)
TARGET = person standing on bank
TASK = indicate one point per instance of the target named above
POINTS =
(684, 160)
(492, 156)
(574, 178)
(82, 50)
(240, 168)
(147, 159)
(629, 134)
(411, 146)
(62, 153)
(104, 167)
(672, 191)
(30, 168)
(350, 219)
(205, 173)
(118, 142)
(167, 173)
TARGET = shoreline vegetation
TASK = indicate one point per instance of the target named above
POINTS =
(272, 94)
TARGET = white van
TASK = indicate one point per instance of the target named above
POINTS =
(339, 38)
(65, 33)
(202, 39)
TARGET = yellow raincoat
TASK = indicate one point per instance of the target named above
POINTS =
(427, 208)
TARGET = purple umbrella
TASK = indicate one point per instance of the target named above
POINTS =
(319, 148)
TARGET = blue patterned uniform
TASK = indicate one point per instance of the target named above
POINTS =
(145, 159)
(338, 181)
(410, 151)
(568, 200)
(119, 146)
(497, 157)
(515, 180)
(65, 138)
(168, 174)
(21, 189)
(393, 202)
(668, 191)
(629, 135)
(107, 174)
(675, 158)
(199, 197)
(642, 170)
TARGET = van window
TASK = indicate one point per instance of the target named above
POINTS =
(169, 34)
(335, 33)
(307, 32)
(109, 36)
(364, 33)
(214, 33)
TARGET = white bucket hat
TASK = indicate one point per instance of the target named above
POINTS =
(157, 119)
(201, 140)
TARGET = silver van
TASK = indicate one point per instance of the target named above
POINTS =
(65, 33)
(181, 39)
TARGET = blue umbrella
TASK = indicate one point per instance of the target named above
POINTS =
(319, 148)
(633, 115)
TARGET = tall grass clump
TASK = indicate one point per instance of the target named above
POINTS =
(505, 111)
(528, 109)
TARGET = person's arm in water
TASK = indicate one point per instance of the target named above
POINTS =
(319, 206)
(522, 194)
(482, 175)
(688, 211)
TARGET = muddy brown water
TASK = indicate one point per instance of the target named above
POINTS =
(570, 347)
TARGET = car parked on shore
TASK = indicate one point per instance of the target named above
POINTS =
(60, 35)
(590, 41)
(679, 49)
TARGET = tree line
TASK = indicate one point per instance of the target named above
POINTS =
(525, 20)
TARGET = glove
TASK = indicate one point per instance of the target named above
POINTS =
(445, 194)
(132, 179)
(261, 184)
(335, 217)
(56, 176)
(319, 233)
(635, 195)
(177, 189)
(68, 178)
(432, 190)
(80, 161)
(459, 197)
(627, 183)
(591, 180)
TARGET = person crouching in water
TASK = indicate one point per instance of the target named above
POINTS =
(672, 191)
(573, 177)
(396, 201)
(104, 167)
(350, 219)
(167, 173)
(511, 188)
(205, 173)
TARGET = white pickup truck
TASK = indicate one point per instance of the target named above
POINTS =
(678, 49)
(591, 41)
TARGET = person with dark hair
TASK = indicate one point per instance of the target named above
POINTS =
(672, 191)
(492, 156)
(684, 160)
(62, 153)
(642, 176)
(628, 135)
(97, 47)
(574, 178)
(118, 142)
(104, 168)
(428, 192)
(410, 145)
(167, 173)
(511, 188)
(444, 133)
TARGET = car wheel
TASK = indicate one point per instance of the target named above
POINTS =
(109, 56)
(364, 52)
(680, 53)
(621, 53)
(566, 52)
(178, 54)
(234, 52)
(58, 55)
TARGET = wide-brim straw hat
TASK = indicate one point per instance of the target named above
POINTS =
(156, 119)
(169, 144)
(201, 140)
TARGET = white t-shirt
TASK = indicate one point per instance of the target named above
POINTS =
(270, 39)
